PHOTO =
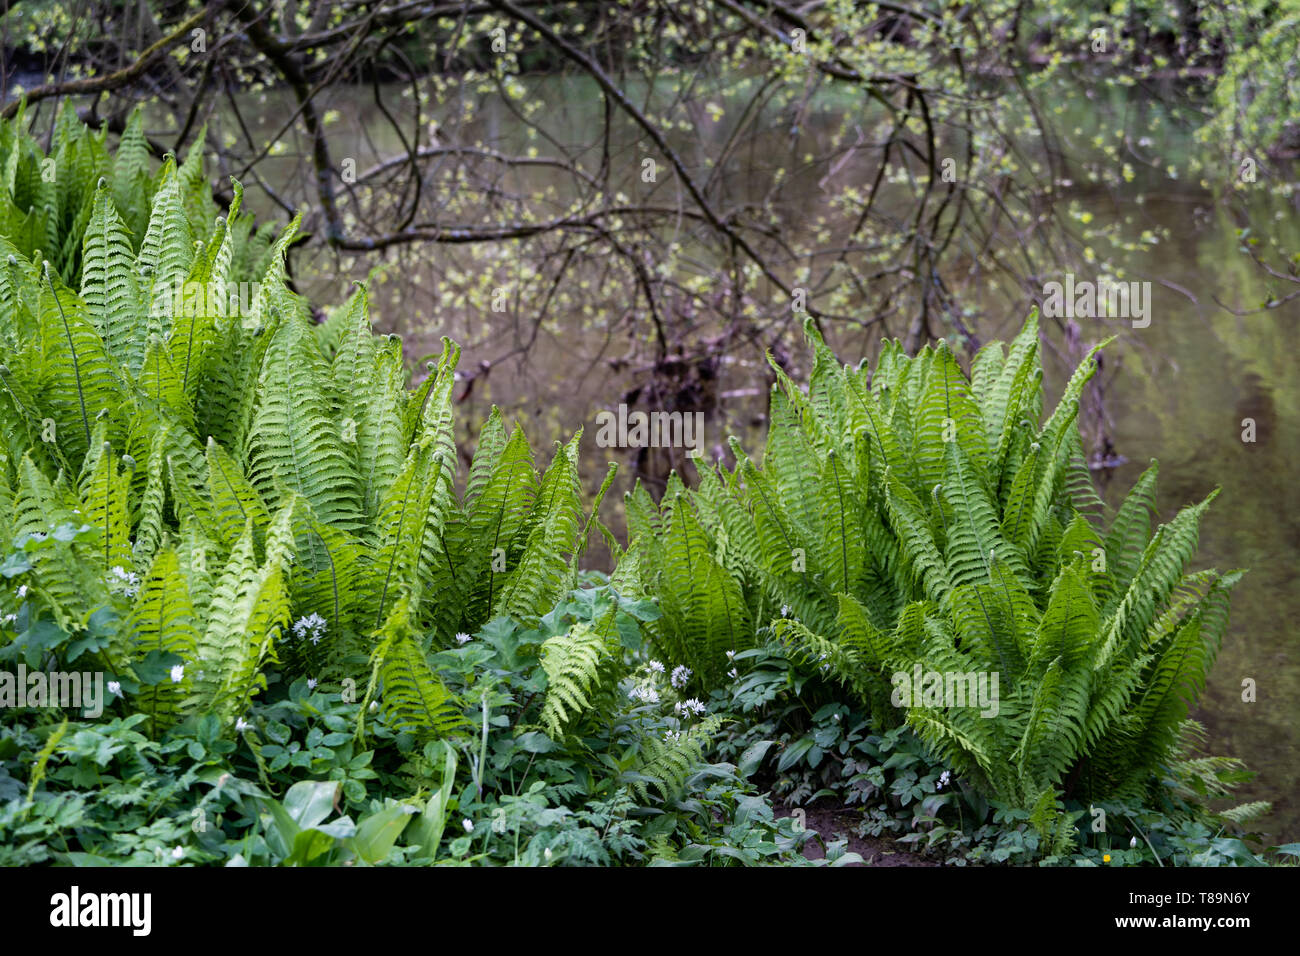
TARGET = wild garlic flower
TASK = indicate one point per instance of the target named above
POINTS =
(311, 683)
(656, 667)
(647, 694)
(681, 674)
(944, 779)
(468, 825)
(178, 673)
(691, 705)
(128, 582)
(312, 626)
(463, 638)
(115, 688)
(241, 725)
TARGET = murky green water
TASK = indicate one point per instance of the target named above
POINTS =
(1177, 391)
(1187, 384)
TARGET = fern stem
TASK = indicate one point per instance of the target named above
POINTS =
(76, 365)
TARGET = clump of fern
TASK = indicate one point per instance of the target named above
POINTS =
(276, 514)
(913, 516)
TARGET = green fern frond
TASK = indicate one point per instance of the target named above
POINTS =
(412, 696)
(109, 285)
(572, 663)
(233, 501)
(103, 491)
(163, 620)
(293, 441)
(80, 382)
(167, 251)
(545, 571)
(667, 764)
(248, 613)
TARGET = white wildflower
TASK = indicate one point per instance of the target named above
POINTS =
(311, 683)
(731, 655)
(22, 591)
(128, 582)
(785, 610)
(547, 854)
(463, 638)
(469, 827)
(944, 778)
(8, 619)
(241, 725)
(178, 673)
(178, 852)
(672, 736)
(645, 693)
(1133, 842)
(681, 674)
(733, 674)
(115, 688)
(656, 667)
(312, 626)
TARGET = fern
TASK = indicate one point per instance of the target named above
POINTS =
(905, 517)
(666, 764)
(413, 697)
(109, 285)
(572, 663)
(947, 531)
(294, 444)
(248, 614)
(163, 621)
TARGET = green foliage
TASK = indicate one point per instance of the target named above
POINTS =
(572, 662)
(704, 613)
(895, 792)
(228, 459)
(913, 521)
(669, 762)
(199, 499)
